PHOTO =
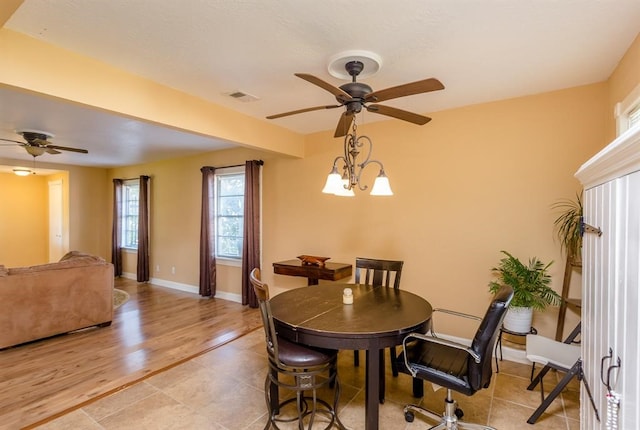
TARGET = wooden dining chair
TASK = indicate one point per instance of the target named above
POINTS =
(384, 273)
(371, 271)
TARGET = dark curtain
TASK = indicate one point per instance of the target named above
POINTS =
(116, 231)
(143, 231)
(251, 232)
(207, 235)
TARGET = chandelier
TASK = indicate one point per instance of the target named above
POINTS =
(344, 184)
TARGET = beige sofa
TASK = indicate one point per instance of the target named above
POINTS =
(49, 299)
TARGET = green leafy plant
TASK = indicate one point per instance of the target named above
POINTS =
(530, 282)
(568, 226)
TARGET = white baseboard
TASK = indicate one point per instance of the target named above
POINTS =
(232, 297)
(128, 275)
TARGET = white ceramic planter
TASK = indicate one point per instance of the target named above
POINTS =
(518, 319)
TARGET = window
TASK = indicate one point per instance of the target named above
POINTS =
(634, 116)
(627, 112)
(229, 212)
(130, 199)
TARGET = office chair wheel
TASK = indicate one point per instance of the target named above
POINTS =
(459, 413)
(409, 416)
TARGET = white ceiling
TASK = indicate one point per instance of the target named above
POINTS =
(481, 50)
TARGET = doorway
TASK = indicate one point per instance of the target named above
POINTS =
(56, 225)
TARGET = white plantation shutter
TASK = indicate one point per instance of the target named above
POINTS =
(634, 116)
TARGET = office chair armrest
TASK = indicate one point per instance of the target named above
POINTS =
(432, 339)
(454, 313)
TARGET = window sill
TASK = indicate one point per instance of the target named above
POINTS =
(229, 262)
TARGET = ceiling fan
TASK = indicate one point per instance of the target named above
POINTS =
(356, 95)
(37, 144)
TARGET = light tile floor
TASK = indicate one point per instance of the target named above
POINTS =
(224, 390)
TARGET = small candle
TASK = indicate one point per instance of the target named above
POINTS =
(347, 296)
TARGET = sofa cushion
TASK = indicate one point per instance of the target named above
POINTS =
(75, 261)
(77, 254)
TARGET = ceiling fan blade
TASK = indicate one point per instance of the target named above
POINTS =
(424, 86)
(11, 140)
(399, 114)
(50, 150)
(341, 95)
(294, 112)
(344, 124)
(64, 148)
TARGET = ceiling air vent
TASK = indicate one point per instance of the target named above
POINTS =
(242, 96)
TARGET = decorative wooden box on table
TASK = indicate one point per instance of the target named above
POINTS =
(313, 268)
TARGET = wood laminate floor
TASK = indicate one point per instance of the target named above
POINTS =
(168, 363)
(157, 329)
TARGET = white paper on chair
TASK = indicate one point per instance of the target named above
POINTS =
(435, 387)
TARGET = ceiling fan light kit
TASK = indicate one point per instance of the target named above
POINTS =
(343, 185)
(37, 143)
(35, 151)
(354, 96)
(22, 172)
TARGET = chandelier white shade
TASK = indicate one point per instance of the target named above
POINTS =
(381, 185)
(336, 185)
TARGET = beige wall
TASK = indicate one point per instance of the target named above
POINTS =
(175, 216)
(623, 80)
(472, 182)
(89, 210)
(86, 207)
(24, 217)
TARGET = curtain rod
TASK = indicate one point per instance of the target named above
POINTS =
(260, 162)
(131, 179)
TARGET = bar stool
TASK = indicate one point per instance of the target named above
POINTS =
(296, 367)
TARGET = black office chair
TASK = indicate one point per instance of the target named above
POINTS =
(456, 367)
(301, 367)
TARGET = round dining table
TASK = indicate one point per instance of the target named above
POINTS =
(380, 317)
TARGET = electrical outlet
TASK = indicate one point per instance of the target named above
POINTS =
(157, 267)
(173, 270)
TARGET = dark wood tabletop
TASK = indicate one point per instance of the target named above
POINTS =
(328, 271)
(379, 317)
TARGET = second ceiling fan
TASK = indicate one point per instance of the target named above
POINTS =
(36, 143)
(355, 96)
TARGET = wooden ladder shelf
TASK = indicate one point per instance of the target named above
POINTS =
(570, 266)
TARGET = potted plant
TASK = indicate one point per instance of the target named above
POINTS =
(569, 227)
(531, 290)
